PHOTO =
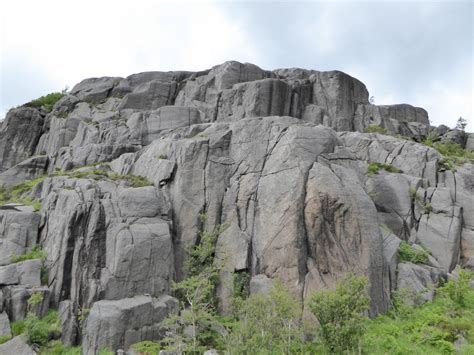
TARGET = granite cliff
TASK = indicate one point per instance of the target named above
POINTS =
(123, 168)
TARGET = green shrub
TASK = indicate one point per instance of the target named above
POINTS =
(195, 330)
(35, 253)
(17, 327)
(453, 154)
(45, 102)
(146, 347)
(457, 290)
(428, 329)
(35, 299)
(269, 323)
(340, 313)
(373, 128)
(407, 253)
(241, 284)
(373, 168)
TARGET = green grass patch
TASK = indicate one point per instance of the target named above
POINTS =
(374, 168)
(373, 128)
(5, 338)
(146, 347)
(98, 174)
(407, 253)
(35, 253)
(15, 194)
(45, 102)
(56, 347)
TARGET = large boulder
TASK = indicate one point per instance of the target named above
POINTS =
(19, 134)
(118, 324)
(16, 346)
(18, 233)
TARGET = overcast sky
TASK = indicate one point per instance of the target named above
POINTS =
(419, 53)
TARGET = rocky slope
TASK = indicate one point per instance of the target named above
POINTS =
(277, 157)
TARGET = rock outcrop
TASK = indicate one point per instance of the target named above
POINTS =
(279, 158)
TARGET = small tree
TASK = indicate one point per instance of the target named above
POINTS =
(194, 329)
(340, 313)
(461, 123)
(269, 322)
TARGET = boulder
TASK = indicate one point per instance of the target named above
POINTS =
(118, 324)
(16, 346)
(22, 273)
(16, 301)
(19, 134)
(5, 329)
(18, 233)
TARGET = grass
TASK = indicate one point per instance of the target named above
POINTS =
(374, 168)
(407, 253)
(35, 253)
(45, 102)
(97, 174)
(373, 128)
(146, 347)
(16, 193)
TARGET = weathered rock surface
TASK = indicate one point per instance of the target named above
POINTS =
(119, 324)
(277, 157)
(18, 233)
(16, 346)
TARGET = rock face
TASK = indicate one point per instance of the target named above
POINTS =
(277, 157)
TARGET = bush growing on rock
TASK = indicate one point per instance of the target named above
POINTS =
(340, 313)
(45, 102)
(407, 253)
(373, 128)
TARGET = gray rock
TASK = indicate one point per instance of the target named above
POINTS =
(455, 136)
(391, 243)
(16, 301)
(440, 230)
(119, 324)
(70, 328)
(95, 89)
(18, 233)
(22, 273)
(28, 169)
(19, 134)
(417, 280)
(16, 346)
(260, 284)
(5, 329)
(470, 142)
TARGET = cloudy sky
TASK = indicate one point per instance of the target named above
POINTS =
(416, 52)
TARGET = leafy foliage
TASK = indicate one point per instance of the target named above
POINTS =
(340, 313)
(452, 152)
(267, 323)
(196, 328)
(374, 168)
(407, 253)
(373, 128)
(40, 331)
(45, 102)
(428, 329)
